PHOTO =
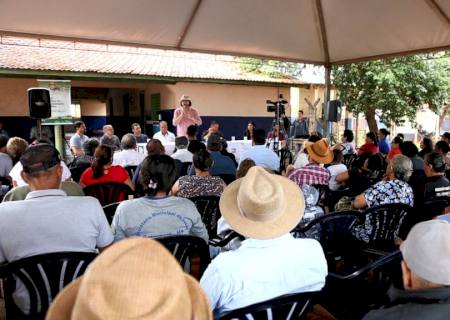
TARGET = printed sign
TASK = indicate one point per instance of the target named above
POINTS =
(60, 100)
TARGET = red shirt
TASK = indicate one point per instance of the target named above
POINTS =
(394, 151)
(368, 148)
(115, 174)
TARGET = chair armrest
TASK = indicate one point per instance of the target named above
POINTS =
(371, 266)
(221, 242)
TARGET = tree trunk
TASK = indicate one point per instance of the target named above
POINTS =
(371, 121)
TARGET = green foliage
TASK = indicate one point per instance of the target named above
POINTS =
(271, 68)
(395, 88)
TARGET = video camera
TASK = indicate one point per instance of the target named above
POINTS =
(276, 106)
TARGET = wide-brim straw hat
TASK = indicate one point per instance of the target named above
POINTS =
(320, 152)
(134, 279)
(185, 98)
(262, 205)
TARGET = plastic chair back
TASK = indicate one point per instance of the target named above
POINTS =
(110, 211)
(77, 171)
(108, 193)
(131, 170)
(208, 207)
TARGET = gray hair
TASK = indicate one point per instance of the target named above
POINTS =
(402, 167)
(128, 141)
(163, 122)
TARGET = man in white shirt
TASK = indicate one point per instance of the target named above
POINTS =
(164, 135)
(182, 153)
(48, 220)
(77, 140)
(128, 156)
(264, 208)
(262, 156)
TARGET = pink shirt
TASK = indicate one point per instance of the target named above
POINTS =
(190, 117)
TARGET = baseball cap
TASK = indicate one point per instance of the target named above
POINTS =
(426, 251)
(39, 157)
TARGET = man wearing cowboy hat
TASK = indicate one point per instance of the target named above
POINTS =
(312, 173)
(264, 208)
(185, 116)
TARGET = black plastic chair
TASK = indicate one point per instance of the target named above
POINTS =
(108, 193)
(208, 207)
(333, 230)
(186, 248)
(110, 211)
(293, 306)
(349, 159)
(77, 171)
(131, 170)
(381, 225)
(43, 277)
(323, 192)
(435, 206)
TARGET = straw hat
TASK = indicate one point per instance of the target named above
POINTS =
(134, 279)
(186, 98)
(320, 152)
(262, 205)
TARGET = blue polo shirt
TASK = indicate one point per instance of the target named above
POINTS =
(384, 146)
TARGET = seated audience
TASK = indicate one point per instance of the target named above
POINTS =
(335, 168)
(154, 146)
(301, 159)
(46, 133)
(87, 157)
(78, 138)
(442, 148)
(446, 137)
(202, 184)
(243, 168)
(224, 151)
(394, 189)
(164, 135)
(395, 148)
(370, 146)
(6, 163)
(109, 138)
(277, 133)
(365, 171)
(213, 129)
(264, 208)
(437, 184)
(120, 282)
(182, 153)
(426, 146)
(347, 146)
(248, 134)
(128, 156)
(312, 173)
(191, 132)
(384, 146)
(425, 272)
(15, 147)
(158, 214)
(137, 132)
(262, 156)
(18, 181)
(71, 188)
(409, 149)
(221, 164)
(102, 170)
(48, 220)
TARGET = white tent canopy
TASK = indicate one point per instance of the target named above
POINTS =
(314, 31)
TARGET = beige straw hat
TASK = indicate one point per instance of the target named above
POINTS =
(134, 279)
(262, 205)
(185, 98)
(320, 152)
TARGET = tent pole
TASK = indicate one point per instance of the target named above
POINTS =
(329, 128)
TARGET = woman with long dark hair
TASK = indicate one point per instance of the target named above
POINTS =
(249, 131)
(158, 213)
(102, 170)
(426, 146)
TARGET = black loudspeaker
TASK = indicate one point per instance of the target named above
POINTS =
(333, 111)
(39, 103)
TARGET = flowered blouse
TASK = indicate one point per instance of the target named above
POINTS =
(196, 186)
(394, 191)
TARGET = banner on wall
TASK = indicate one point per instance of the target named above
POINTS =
(60, 100)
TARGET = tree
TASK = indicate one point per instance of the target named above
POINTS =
(394, 89)
(271, 68)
